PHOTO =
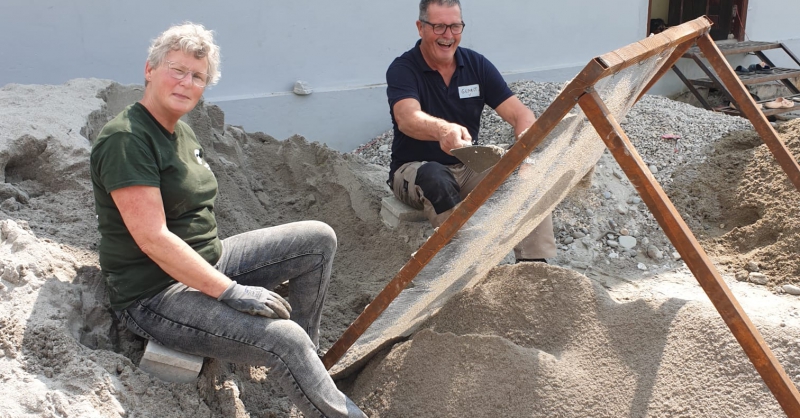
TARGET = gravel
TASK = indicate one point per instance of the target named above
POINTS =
(646, 123)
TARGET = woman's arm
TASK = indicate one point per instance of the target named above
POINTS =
(142, 211)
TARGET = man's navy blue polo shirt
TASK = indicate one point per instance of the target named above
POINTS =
(475, 82)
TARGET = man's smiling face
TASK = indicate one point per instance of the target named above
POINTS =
(439, 48)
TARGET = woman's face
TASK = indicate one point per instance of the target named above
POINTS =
(174, 97)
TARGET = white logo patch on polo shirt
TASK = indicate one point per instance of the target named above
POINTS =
(465, 92)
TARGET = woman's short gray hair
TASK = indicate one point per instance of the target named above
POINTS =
(423, 6)
(190, 38)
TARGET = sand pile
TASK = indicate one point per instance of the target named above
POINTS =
(63, 352)
(745, 208)
(528, 341)
(544, 341)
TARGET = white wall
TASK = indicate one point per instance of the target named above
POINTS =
(776, 21)
(340, 48)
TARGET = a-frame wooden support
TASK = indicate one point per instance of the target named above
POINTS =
(580, 91)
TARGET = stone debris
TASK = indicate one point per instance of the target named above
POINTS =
(654, 253)
(627, 242)
(302, 88)
(791, 289)
(758, 278)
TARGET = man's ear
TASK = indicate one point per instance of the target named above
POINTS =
(419, 28)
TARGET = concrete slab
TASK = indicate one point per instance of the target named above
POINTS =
(393, 211)
(170, 365)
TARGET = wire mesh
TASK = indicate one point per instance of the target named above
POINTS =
(543, 180)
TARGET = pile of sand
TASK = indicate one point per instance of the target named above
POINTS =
(63, 354)
(543, 341)
(749, 205)
(529, 340)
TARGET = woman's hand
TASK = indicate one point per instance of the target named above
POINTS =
(255, 301)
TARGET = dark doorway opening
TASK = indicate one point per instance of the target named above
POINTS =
(728, 16)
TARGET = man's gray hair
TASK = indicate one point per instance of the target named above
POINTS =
(191, 38)
(423, 6)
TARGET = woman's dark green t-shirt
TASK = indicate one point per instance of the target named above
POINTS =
(133, 149)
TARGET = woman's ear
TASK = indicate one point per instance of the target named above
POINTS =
(148, 71)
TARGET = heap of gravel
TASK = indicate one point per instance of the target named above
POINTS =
(608, 224)
(650, 118)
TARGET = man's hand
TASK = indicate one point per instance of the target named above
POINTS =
(452, 136)
(255, 301)
(521, 134)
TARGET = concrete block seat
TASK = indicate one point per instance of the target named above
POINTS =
(393, 211)
(170, 365)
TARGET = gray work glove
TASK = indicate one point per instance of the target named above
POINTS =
(255, 301)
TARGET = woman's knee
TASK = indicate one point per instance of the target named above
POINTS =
(323, 234)
(289, 336)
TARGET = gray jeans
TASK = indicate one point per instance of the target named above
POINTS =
(187, 320)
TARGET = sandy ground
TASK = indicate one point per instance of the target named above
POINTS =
(584, 336)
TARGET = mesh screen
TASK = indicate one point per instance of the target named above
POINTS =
(510, 214)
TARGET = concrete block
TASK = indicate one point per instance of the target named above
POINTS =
(389, 219)
(394, 211)
(170, 365)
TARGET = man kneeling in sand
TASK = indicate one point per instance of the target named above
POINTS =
(436, 93)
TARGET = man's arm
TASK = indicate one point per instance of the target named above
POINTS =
(412, 121)
(516, 114)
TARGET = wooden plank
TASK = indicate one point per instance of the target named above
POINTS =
(748, 79)
(636, 52)
(736, 48)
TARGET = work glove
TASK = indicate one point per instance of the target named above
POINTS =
(255, 301)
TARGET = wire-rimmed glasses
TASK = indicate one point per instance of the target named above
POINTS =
(179, 73)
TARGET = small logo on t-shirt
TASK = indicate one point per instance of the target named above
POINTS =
(465, 92)
(199, 155)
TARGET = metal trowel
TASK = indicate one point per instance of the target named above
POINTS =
(479, 158)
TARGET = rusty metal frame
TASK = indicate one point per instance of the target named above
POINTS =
(580, 91)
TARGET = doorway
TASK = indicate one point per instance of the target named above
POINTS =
(728, 16)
